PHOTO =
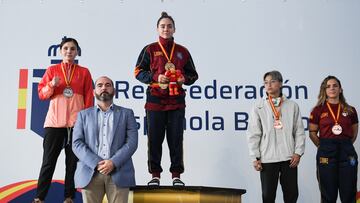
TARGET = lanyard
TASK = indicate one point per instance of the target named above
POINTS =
(171, 53)
(336, 119)
(276, 113)
(71, 76)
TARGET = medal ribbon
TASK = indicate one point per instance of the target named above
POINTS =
(276, 113)
(71, 76)
(332, 113)
(171, 53)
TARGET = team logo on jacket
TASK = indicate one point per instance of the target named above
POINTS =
(179, 55)
(323, 115)
(158, 53)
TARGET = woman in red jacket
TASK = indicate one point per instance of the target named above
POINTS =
(69, 88)
(165, 110)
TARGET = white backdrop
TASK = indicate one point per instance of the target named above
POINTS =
(233, 43)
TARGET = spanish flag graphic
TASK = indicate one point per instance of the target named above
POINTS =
(25, 191)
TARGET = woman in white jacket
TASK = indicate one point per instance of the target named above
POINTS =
(276, 140)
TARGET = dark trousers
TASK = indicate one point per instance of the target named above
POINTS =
(337, 164)
(171, 123)
(54, 140)
(270, 175)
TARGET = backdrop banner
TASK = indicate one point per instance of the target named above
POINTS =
(233, 43)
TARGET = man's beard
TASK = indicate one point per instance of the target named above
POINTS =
(105, 96)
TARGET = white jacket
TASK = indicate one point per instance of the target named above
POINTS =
(270, 144)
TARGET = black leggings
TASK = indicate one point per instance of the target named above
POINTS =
(54, 140)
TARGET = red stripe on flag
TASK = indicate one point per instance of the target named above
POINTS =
(2, 189)
(23, 79)
(21, 118)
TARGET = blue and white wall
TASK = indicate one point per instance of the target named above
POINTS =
(233, 43)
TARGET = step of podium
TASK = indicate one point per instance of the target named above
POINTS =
(187, 194)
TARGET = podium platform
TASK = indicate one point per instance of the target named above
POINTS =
(187, 194)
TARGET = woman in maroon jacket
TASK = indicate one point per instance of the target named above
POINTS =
(165, 103)
(333, 129)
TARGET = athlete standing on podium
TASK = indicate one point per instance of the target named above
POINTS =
(69, 88)
(165, 66)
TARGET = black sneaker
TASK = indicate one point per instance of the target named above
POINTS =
(178, 183)
(154, 182)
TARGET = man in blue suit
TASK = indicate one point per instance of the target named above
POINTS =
(104, 139)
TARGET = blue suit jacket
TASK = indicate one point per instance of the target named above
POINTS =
(86, 142)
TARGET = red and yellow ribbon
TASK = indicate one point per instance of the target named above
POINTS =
(73, 66)
(171, 53)
(336, 119)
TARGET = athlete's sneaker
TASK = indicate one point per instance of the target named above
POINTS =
(178, 183)
(154, 182)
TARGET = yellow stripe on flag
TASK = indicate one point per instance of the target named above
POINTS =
(22, 99)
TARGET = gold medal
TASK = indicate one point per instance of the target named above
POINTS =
(169, 63)
(169, 66)
(336, 129)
